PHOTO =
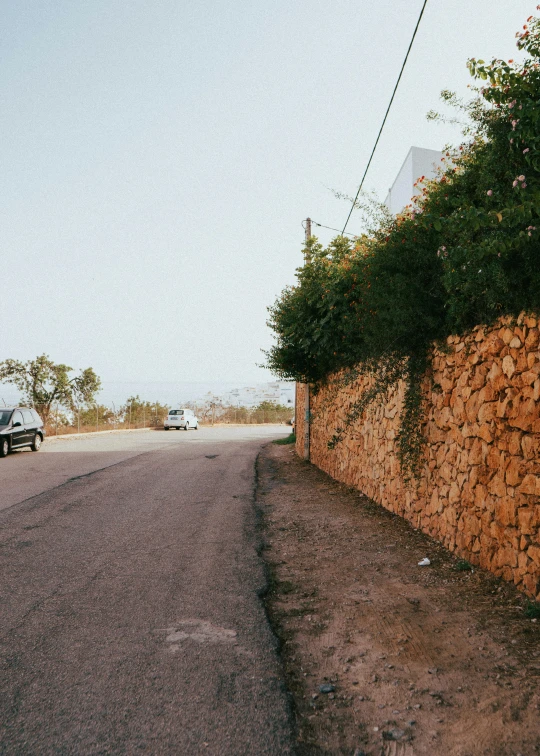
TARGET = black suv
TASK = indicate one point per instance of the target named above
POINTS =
(20, 426)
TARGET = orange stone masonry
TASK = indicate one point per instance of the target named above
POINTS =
(479, 488)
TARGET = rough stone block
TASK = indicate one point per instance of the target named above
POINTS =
(514, 474)
(508, 366)
(530, 485)
(505, 511)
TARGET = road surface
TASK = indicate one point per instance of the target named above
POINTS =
(130, 620)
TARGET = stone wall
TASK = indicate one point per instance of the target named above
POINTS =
(479, 489)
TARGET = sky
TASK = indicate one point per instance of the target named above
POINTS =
(158, 159)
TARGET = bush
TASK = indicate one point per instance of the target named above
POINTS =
(290, 439)
(464, 253)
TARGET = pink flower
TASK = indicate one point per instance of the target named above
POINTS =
(515, 183)
(526, 150)
(521, 178)
(489, 192)
(524, 185)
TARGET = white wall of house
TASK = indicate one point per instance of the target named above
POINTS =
(419, 162)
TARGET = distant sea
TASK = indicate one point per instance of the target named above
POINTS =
(165, 392)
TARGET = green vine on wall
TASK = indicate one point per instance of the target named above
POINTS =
(463, 253)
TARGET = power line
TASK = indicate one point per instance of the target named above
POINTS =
(385, 115)
(334, 229)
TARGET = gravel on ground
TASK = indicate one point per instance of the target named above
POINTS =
(383, 656)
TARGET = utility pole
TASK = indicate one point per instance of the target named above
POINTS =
(308, 234)
(306, 385)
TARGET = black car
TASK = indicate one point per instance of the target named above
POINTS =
(19, 427)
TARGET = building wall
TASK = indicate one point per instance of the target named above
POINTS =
(479, 488)
(419, 162)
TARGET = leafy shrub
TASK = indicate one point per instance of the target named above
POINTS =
(290, 439)
(463, 253)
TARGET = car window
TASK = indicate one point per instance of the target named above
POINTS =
(4, 416)
(176, 412)
(17, 418)
(28, 419)
(36, 417)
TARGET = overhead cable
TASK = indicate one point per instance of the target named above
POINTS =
(385, 115)
(348, 233)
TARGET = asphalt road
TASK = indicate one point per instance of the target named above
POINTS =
(130, 620)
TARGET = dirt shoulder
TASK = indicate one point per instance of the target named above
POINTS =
(417, 660)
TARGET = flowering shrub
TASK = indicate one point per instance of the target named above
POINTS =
(465, 252)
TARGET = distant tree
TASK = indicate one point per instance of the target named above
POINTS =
(268, 406)
(93, 415)
(43, 383)
(137, 411)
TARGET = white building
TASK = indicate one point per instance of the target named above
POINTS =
(419, 162)
(277, 392)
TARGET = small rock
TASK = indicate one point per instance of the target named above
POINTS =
(326, 688)
(315, 695)
(361, 698)
(425, 562)
(417, 706)
(394, 734)
(395, 711)
(433, 671)
(375, 729)
(411, 722)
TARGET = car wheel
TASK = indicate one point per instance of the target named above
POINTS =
(165, 429)
(186, 426)
(4, 447)
(196, 426)
(36, 443)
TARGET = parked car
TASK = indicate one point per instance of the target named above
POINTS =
(181, 418)
(20, 427)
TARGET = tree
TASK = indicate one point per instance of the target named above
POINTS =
(93, 415)
(137, 411)
(44, 383)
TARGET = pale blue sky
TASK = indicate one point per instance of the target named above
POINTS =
(158, 159)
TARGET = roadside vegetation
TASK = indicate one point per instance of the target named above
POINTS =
(67, 401)
(290, 439)
(46, 385)
(463, 253)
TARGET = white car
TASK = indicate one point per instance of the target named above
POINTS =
(181, 418)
